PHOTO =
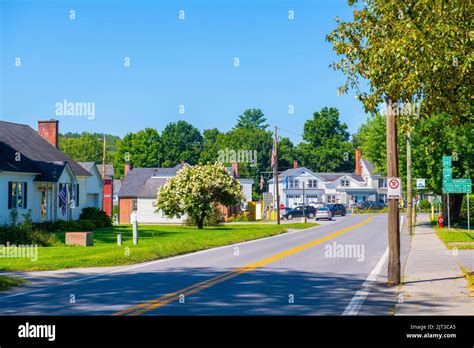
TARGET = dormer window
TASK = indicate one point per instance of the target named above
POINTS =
(344, 183)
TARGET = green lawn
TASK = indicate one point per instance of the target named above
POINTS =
(155, 242)
(7, 282)
(456, 235)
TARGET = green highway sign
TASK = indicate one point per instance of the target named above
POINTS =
(447, 174)
(447, 161)
(458, 186)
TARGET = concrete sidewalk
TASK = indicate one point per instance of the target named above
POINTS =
(433, 283)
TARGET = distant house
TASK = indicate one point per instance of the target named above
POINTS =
(35, 175)
(301, 185)
(94, 188)
(139, 188)
(107, 174)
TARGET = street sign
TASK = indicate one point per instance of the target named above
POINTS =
(394, 186)
(457, 186)
(447, 161)
(420, 184)
(447, 173)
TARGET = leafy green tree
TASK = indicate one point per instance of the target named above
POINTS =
(181, 142)
(326, 146)
(252, 119)
(210, 147)
(197, 190)
(142, 149)
(85, 147)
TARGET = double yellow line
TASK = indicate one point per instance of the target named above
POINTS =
(173, 296)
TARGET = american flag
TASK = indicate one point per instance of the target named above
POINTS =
(262, 183)
(274, 152)
(63, 199)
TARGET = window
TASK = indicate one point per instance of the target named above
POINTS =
(134, 205)
(295, 183)
(18, 194)
(383, 182)
(75, 194)
(331, 198)
(344, 183)
(312, 183)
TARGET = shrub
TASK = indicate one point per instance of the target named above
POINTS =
(463, 213)
(424, 205)
(97, 216)
(25, 233)
(241, 217)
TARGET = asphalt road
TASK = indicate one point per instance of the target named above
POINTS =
(289, 274)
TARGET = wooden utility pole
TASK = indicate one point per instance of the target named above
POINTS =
(103, 161)
(394, 271)
(409, 180)
(275, 167)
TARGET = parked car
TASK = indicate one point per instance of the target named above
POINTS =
(337, 209)
(309, 212)
(323, 213)
(369, 205)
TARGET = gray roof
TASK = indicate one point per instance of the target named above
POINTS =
(144, 182)
(369, 165)
(335, 176)
(87, 165)
(109, 170)
(117, 185)
(37, 154)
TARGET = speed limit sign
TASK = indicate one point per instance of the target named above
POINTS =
(394, 188)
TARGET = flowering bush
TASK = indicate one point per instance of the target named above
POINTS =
(196, 191)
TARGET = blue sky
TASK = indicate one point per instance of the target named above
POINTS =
(173, 62)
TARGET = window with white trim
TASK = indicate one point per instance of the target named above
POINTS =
(17, 195)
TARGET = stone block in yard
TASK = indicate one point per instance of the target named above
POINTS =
(80, 238)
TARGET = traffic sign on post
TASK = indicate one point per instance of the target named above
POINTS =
(394, 186)
(420, 184)
(447, 161)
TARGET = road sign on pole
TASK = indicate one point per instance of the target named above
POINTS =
(420, 184)
(394, 188)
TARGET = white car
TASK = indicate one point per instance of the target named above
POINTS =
(323, 213)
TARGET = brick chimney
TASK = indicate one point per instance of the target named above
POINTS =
(235, 169)
(295, 164)
(357, 160)
(127, 168)
(49, 131)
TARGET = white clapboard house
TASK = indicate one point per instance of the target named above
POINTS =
(37, 177)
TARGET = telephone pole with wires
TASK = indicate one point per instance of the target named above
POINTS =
(275, 175)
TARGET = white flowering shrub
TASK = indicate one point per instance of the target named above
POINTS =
(196, 190)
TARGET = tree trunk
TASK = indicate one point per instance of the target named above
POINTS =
(394, 271)
(455, 204)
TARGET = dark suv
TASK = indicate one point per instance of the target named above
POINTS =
(337, 209)
(309, 212)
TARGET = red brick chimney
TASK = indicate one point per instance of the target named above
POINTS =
(235, 169)
(49, 131)
(295, 164)
(127, 168)
(357, 160)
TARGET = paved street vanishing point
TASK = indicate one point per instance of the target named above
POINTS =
(333, 269)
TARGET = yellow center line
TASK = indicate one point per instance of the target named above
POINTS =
(165, 299)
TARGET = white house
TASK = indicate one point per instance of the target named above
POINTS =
(301, 185)
(140, 186)
(36, 176)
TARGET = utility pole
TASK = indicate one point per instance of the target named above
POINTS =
(304, 206)
(275, 167)
(394, 269)
(409, 193)
(103, 161)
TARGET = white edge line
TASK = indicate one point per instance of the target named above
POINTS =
(160, 260)
(356, 302)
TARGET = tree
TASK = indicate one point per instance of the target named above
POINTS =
(326, 146)
(210, 146)
(197, 190)
(85, 147)
(411, 51)
(252, 119)
(142, 149)
(181, 142)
